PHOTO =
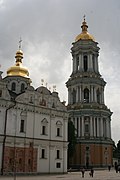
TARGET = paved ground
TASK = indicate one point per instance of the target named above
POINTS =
(98, 175)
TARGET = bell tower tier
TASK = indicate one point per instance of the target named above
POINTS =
(86, 105)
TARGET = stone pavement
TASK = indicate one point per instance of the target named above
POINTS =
(98, 175)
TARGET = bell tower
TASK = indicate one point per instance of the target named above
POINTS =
(86, 105)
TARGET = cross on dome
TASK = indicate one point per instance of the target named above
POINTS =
(20, 43)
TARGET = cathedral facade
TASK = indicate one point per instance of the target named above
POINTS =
(86, 106)
(33, 125)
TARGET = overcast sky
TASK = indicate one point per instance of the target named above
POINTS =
(48, 28)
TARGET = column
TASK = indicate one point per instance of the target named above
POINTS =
(95, 97)
(64, 158)
(74, 62)
(80, 94)
(80, 62)
(69, 96)
(82, 126)
(98, 127)
(65, 133)
(79, 127)
(101, 127)
(77, 94)
(96, 57)
(90, 59)
(94, 127)
(91, 93)
(107, 124)
(102, 95)
(110, 127)
(91, 126)
(96, 65)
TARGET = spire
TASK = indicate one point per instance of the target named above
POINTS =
(84, 35)
(18, 69)
(84, 25)
(19, 54)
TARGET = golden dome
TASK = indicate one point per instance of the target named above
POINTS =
(18, 69)
(84, 35)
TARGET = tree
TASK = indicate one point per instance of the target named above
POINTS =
(115, 153)
(118, 150)
(71, 139)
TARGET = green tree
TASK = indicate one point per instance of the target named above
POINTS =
(115, 153)
(71, 140)
(118, 151)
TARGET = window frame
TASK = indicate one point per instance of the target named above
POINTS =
(13, 86)
(58, 165)
(22, 126)
(57, 154)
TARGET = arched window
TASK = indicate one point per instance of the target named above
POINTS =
(44, 126)
(59, 128)
(13, 87)
(86, 95)
(98, 96)
(85, 61)
(22, 87)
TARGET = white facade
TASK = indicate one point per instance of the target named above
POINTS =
(33, 128)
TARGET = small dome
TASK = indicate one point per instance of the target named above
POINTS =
(43, 90)
(84, 35)
(30, 88)
(18, 69)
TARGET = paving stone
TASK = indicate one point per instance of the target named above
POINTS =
(98, 175)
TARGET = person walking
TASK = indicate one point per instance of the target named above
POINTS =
(83, 172)
(109, 167)
(91, 172)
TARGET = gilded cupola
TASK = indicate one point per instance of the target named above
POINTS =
(84, 35)
(18, 69)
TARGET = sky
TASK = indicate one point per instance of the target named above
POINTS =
(48, 28)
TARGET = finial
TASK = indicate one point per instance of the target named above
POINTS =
(84, 25)
(54, 88)
(20, 41)
(42, 81)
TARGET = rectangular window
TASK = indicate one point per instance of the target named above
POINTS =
(58, 154)
(22, 126)
(58, 131)
(58, 165)
(43, 153)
